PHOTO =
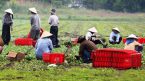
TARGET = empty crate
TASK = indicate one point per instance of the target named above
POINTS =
(116, 58)
(24, 41)
(53, 58)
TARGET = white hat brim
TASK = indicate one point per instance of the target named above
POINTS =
(45, 34)
(33, 10)
(9, 11)
(93, 29)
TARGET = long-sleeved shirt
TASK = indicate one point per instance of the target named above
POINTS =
(93, 36)
(53, 20)
(43, 45)
(7, 19)
(112, 35)
(132, 45)
(35, 21)
(86, 45)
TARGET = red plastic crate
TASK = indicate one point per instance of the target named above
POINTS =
(116, 58)
(101, 64)
(23, 41)
(100, 56)
(136, 63)
(53, 58)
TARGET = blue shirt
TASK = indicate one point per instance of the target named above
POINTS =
(43, 45)
(116, 35)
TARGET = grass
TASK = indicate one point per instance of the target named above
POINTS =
(35, 70)
(75, 21)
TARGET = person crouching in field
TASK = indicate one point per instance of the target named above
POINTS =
(7, 25)
(35, 24)
(95, 37)
(44, 44)
(115, 37)
(85, 49)
(132, 44)
(54, 22)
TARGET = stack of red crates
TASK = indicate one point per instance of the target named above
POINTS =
(24, 41)
(116, 58)
(53, 58)
(101, 58)
(140, 40)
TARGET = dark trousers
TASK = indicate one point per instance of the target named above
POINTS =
(54, 37)
(86, 57)
(114, 42)
(35, 34)
(138, 48)
(6, 34)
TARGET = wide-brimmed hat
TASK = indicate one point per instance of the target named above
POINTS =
(132, 36)
(93, 29)
(116, 29)
(33, 10)
(46, 34)
(9, 11)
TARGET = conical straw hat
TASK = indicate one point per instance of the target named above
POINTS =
(116, 29)
(33, 10)
(9, 11)
(132, 36)
(93, 29)
(45, 34)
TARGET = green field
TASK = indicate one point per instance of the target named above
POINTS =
(75, 22)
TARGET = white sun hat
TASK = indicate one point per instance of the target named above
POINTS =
(9, 11)
(46, 34)
(33, 10)
(93, 29)
(132, 36)
(116, 29)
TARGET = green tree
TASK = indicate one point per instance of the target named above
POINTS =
(3, 3)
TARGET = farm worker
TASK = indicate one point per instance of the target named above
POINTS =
(132, 44)
(7, 26)
(35, 24)
(85, 49)
(95, 37)
(44, 44)
(54, 22)
(115, 37)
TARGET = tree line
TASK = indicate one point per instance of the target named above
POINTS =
(114, 5)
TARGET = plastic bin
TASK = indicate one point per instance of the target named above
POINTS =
(24, 41)
(53, 58)
(116, 58)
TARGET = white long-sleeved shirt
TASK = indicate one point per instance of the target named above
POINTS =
(112, 35)
(88, 35)
(53, 20)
